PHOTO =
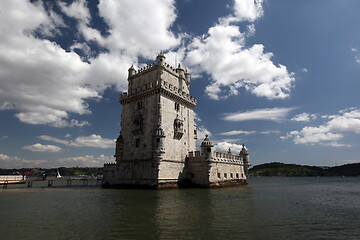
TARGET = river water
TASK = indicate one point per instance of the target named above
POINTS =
(267, 208)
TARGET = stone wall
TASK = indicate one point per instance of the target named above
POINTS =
(215, 169)
(138, 126)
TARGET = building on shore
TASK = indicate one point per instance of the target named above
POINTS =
(156, 147)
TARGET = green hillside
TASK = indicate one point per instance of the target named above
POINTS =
(293, 170)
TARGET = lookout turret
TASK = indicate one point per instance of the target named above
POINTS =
(206, 147)
(160, 59)
(244, 154)
(131, 71)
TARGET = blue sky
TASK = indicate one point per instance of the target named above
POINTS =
(281, 76)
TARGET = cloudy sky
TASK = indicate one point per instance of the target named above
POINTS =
(282, 77)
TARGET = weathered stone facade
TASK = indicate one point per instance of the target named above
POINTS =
(157, 143)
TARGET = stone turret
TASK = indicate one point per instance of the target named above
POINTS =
(207, 147)
(119, 148)
(159, 136)
(160, 59)
(244, 154)
(131, 71)
(187, 78)
(181, 73)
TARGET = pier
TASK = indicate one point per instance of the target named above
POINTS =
(51, 182)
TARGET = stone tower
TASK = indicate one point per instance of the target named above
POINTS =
(156, 147)
(157, 127)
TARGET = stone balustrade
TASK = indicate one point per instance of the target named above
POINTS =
(218, 157)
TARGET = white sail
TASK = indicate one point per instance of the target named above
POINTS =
(58, 174)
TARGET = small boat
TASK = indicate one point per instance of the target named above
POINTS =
(58, 174)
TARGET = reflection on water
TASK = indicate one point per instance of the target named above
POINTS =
(267, 208)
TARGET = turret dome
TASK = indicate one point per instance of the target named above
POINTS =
(244, 151)
(206, 142)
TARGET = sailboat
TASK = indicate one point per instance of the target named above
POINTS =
(58, 174)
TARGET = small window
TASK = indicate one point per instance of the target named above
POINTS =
(177, 106)
(225, 175)
(140, 105)
(242, 175)
(231, 175)
(208, 149)
(219, 175)
(237, 175)
(137, 142)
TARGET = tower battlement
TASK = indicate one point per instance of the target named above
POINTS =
(153, 88)
(176, 71)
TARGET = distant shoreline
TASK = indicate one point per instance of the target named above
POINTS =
(277, 169)
(273, 169)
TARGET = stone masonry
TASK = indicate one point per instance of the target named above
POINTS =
(157, 143)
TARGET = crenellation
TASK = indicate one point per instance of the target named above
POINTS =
(110, 165)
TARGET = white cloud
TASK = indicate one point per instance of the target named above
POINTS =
(250, 30)
(331, 132)
(81, 161)
(305, 70)
(43, 83)
(224, 147)
(248, 10)
(197, 118)
(304, 117)
(38, 147)
(85, 49)
(95, 141)
(136, 27)
(54, 139)
(77, 9)
(38, 78)
(272, 114)
(222, 53)
(270, 132)
(17, 162)
(85, 161)
(4, 137)
(237, 132)
(357, 55)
